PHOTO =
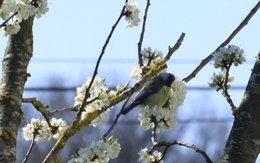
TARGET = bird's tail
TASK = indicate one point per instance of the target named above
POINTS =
(129, 107)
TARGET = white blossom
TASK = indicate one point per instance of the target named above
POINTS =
(132, 13)
(99, 95)
(145, 157)
(41, 130)
(60, 126)
(8, 7)
(100, 151)
(10, 29)
(38, 128)
(217, 80)
(149, 57)
(21, 10)
(136, 72)
(227, 55)
(177, 93)
(163, 117)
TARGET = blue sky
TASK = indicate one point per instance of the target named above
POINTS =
(69, 38)
(76, 31)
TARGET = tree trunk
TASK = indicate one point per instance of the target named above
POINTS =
(243, 144)
(14, 75)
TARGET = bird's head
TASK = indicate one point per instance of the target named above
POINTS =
(167, 78)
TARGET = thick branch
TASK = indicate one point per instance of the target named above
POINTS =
(243, 142)
(230, 37)
(14, 75)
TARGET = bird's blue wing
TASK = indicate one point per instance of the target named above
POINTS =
(141, 96)
(150, 88)
(138, 100)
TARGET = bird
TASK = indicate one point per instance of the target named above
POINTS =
(154, 92)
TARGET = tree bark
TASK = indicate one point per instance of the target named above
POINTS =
(14, 75)
(243, 144)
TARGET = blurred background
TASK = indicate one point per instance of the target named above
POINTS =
(68, 41)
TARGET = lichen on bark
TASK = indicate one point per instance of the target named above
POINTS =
(14, 75)
(243, 142)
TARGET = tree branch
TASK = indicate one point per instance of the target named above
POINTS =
(225, 90)
(167, 145)
(175, 47)
(242, 144)
(76, 120)
(39, 106)
(230, 37)
(98, 62)
(14, 75)
(64, 110)
(78, 124)
(4, 23)
(140, 61)
(116, 119)
(29, 150)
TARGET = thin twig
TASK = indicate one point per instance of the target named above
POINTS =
(167, 145)
(225, 89)
(230, 37)
(1, 2)
(4, 23)
(203, 153)
(77, 125)
(60, 143)
(29, 150)
(175, 47)
(139, 44)
(165, 152)
(153, 138)
(61, 111)
(86, 96)
(39, 106)
(116, 119)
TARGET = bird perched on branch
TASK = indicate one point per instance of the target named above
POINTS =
(155, 92)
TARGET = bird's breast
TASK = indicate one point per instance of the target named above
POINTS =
(159, 98)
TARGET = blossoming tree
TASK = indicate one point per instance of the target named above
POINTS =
(94, 99)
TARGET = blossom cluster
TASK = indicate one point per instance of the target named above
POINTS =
(39, 130)
(99, 98)
(228, 55)
(132, 13)
(218, 80)
(100, 151)
(22, 10)
(164, 117)
(146, 157)
(223, 59)
(149, 57)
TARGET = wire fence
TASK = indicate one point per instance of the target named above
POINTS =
(116, 60)
(71, 89)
